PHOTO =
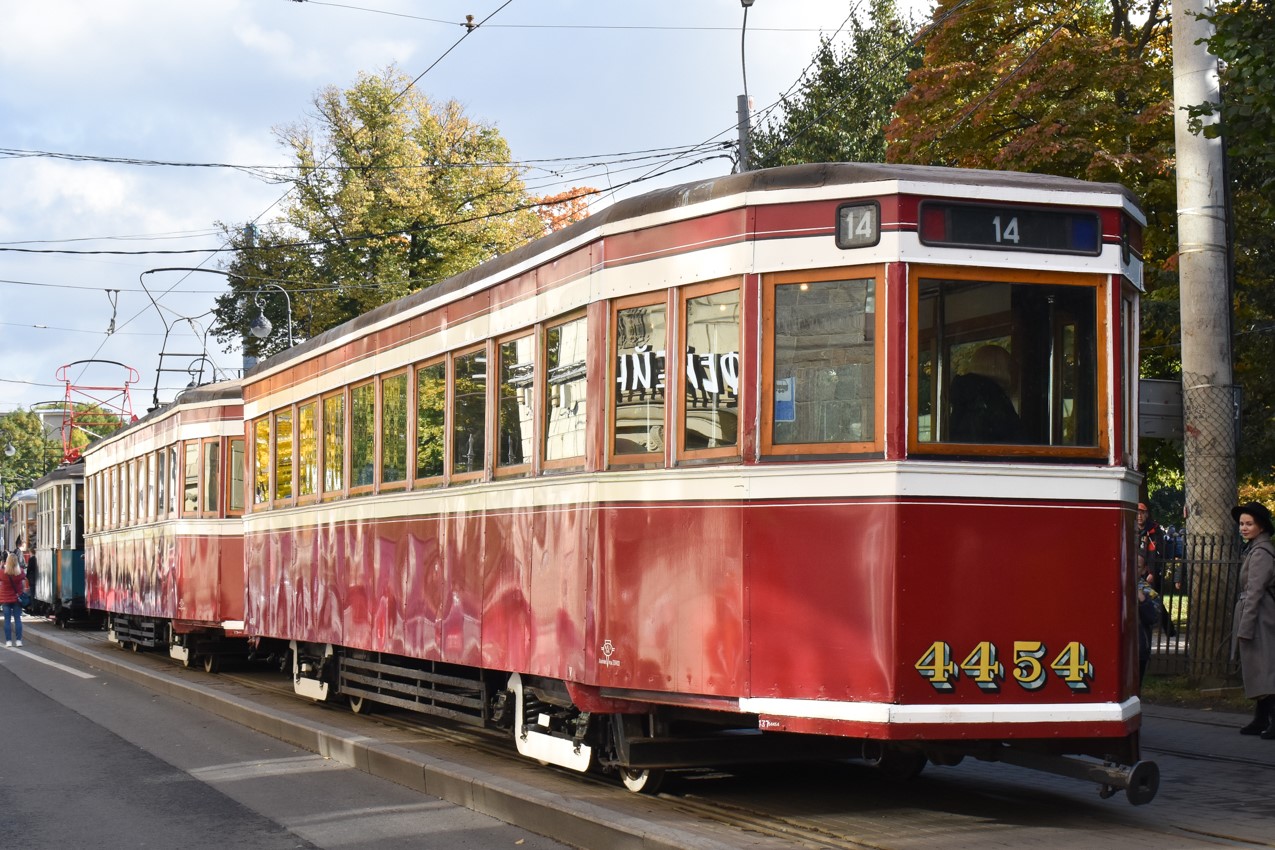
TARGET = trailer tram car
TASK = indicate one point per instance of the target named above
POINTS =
(741, 470)
(58, 585)
(165, 532)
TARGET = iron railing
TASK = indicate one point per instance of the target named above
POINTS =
(1198, 582)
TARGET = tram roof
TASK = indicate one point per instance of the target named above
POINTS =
(907, 179)
(231, 390)
(64, 472)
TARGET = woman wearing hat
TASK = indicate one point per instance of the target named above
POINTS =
(1255, 616)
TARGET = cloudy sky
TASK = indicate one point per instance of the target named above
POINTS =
(206, 81)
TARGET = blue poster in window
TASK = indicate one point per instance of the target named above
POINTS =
(785, 400)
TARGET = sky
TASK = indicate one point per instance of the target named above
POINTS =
(202, 82)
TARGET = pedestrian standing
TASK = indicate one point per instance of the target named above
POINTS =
(12, 584)
(1255, 616)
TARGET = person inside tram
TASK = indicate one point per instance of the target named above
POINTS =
(982, 411)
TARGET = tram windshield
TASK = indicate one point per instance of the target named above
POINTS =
(1007, 364)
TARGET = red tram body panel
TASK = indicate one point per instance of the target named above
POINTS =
(814, 457)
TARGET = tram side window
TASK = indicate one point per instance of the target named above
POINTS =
(515, 410)
(1007, 363)
(234, 498)
(469, 421)
(212, 477)
(190, 489)
(139, 487)
(174, 471)
(161, 483)
(394, 429)
(711, 382)
(334, 443)
(66, 517)
(431, 409)
(640, 346)
(261, 461)
(307, 450)
(151, 482)
(823, 358)
(113, 516)
(362, 436)
(77, 541)
(283, 454)
(566, 373)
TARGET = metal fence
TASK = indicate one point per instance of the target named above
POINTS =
(1198, 582)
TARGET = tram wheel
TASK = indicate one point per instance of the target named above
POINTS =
(896, 764)
(642, 781)
(189, 660)
(212, 663)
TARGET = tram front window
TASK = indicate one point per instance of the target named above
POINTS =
(1010, 364)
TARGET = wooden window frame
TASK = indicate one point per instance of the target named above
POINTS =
(766, 404)
(299, 497)
(1100, 283)
(687, 293)
(574, 462)
(383, 486)
(232, 511)
(429, 481)
(326, 495)
(638, 460)
(517, 469)
(275, 499)
(255, 465)
(362, 489)
(219, 485)
(480, 474)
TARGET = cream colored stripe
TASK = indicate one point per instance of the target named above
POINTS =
(879, 712)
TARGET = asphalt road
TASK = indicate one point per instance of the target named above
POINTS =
(91, 760)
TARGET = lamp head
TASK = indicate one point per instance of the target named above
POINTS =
(260, 327)
(10, 450)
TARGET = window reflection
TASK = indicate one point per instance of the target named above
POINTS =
(712, 371)
(566, 372)
(517, 377)
(283, 455)
(394, 429)
(362, 435)
(639, 380)
(470, 422)
(261, 462)
(212, 477)
(334, 443)
(307, 450)
(431, 402)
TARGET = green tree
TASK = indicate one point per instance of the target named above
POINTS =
(846, 98)
(35, 453)
(393, 192)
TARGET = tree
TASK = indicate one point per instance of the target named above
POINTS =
(392, 193)
(1242, 41)
(847, 96)
(35, 453)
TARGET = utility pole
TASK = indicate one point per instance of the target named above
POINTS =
(744, 103)
(1205, 294)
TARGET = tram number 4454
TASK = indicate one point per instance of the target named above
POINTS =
(1028, 667)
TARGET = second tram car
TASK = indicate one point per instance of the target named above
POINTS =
(58, 583)
(743, 469)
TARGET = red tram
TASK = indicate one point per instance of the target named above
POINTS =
(821, 460)
(164, 528)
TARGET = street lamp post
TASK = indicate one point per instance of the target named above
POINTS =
(261, 326)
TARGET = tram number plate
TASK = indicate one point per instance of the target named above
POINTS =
(858, 225)
(1027, 666)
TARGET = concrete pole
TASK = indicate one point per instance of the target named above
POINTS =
(1207, 390)
(744, 107)
(1204, 282)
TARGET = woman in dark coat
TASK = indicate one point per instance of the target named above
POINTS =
(1255, 616)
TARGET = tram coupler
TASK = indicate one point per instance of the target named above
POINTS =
(1139, 781)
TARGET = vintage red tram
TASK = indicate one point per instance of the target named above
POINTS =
(838, 455)
(164, 528)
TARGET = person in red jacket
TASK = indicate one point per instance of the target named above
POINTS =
(12, 583)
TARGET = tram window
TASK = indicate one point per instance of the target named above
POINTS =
(212, 477)
(394, 429)
(711, 378)
(469, 424)
(234, 497)
(307, 449)
(566, 373)
(283, 460)
(514, 409)
(161, 483)
(174, 471)
(334, 443)
(139, 488)
(81, 494)
(261, 461)
(638, 410)
(1003, 363)
(152, 507)
(114, 518)
(190, 499)
(431, 407)
(823, 361)
(362, 436)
